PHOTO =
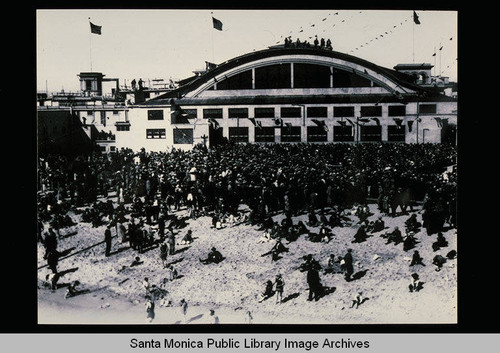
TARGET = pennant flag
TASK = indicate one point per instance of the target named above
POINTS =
(95, 29)
(350, 122)
(320, 123)
(441, 48)
(342, 123)
(377, 120)
(439, 122)
(398, 122)
(217, 24)
(253, 121)
(410, 124)
(259, 124)
(214, 123)
(210, 66)
(363, 120)
(434, 54)
(415, 18)
(289, 126)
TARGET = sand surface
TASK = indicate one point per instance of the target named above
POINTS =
(114, 294)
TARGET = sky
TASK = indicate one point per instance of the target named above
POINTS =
(171, 43)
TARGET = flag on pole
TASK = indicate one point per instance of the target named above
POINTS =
(350, 121)
(217, 24)
(377, 120)
(439, 122)
(398, 122)
(214, 123)
(95, 28)
(321, 123)
(415, 18)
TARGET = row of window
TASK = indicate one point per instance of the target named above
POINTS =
(304, 75)
(292, 134)
(291, 112)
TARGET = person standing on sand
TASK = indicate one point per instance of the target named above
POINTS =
(107, 239)
(150, 309)
(184, 308)
(279, 285)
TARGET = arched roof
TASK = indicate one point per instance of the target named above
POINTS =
(392, 80)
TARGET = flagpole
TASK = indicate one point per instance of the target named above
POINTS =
(90, 46)
(212, 35)
(413, 42)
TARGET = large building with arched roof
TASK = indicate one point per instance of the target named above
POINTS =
(289, 95)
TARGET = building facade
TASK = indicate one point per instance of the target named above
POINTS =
(277, 95)
(291, 95)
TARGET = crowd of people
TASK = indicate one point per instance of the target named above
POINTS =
(270, 179)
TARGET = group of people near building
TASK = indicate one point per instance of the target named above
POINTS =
(270, 179)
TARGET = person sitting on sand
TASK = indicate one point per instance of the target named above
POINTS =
(378, 225)
(137, 261)
(71, 291)
(416, 259)
(394, 237)
(415, 284)
(360, 235)
(268, 291)
(412, 224)
(410, 241)
(214, 256)
(188, 238)
(439, 261)
(333, 265)
(441, 242)
(277, 249)
(265, 237)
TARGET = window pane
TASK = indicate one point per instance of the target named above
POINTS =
(396, 133)
(291, 112)
(343, 133)
(291, 134)
(371, 133)
(264, 134)
(238, 113)
(427, 109)
(264, 112)
(212, 113)
(311, 76)
(317, 112)
(183, 136)
(273, 76)
(397, 110)
(375, 110)
(316, 134)
(238, 134)
(240, 81)
(155, 114)
(340, 112)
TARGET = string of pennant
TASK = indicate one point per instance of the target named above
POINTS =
(386, 33)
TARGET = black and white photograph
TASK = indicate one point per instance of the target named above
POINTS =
(246, 166)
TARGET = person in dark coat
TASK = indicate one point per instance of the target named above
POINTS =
(360, 235)
(416, 259)
(314, 282)
(52, 260)
(214, 256)
(347, 264)
(107, 239)
(441, 242)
